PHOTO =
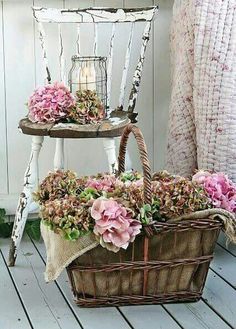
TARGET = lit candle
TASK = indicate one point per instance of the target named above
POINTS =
(87, 78)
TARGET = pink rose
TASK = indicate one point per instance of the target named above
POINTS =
(114, 224)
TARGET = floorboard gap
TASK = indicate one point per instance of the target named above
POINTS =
(216, 312)
(223, 247)
(163, 306)
(226, 281)
(128, 322)
(65, 298)
(18, 294)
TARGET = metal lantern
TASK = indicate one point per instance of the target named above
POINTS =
(89, 73)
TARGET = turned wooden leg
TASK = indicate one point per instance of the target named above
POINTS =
(30, 180)
(110, 149)
(59, 154)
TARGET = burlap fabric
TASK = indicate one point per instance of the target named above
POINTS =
(162, 247)
(60, 252)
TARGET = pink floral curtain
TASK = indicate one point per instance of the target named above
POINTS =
(202, 125)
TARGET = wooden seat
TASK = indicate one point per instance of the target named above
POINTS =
(111, 127)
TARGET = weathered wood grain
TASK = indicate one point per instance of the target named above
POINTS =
(61, 56)
(35, 129)
(112, 127)
(93, 15)
(42, 40)
(25, 199)
(139, 68)
(126, 68)
(110, 64)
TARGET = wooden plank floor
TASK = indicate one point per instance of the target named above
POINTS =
(28, 302)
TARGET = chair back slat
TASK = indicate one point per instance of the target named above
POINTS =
(139, 68)
(78, 41)
(118, 76)
(126, 67)
(93, 15)
(95, 42)
(110, 64)
(61, 55)
(42, 36)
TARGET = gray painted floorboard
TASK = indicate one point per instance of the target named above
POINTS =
(222, 241)
(110, 318)
(10, 301)
(225, 265)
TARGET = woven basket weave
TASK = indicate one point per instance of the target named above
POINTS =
(169, 262)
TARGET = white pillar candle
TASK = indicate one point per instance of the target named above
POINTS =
(87, 78)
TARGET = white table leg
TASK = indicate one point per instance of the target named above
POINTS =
(30, 180)
(59, 154)
(110, 149)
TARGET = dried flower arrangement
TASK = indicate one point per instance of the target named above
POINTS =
(113, 207)
(88, 108)
(55, 103)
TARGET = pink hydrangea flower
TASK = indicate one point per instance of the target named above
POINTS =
(50, 103)
(220, 189)
(106, 183)
(114, 224)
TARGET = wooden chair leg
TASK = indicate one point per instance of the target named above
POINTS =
(30, 180)
(59, 154)
(110, 149)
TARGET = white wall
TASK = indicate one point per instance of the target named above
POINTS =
(21, 71)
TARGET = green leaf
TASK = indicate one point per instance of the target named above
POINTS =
(5, 230)
(33, 229)
(147, 207)
(74, 234)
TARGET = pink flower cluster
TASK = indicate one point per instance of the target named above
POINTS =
(220, 189)
(114, 224)
(50, 103)
(105, 183)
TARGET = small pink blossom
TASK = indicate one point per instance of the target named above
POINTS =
(114, 224)
(50, 103)
(105, 183)
(220, 189)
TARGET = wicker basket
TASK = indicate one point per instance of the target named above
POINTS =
(168, 263)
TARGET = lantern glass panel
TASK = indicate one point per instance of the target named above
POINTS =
(89, 73)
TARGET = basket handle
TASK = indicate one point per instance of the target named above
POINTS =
(143, 157)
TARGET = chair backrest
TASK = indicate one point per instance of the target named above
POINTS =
(134, 21)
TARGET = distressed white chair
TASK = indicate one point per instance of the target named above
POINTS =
(109, 128)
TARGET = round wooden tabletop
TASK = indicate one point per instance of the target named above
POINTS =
(111, 127)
